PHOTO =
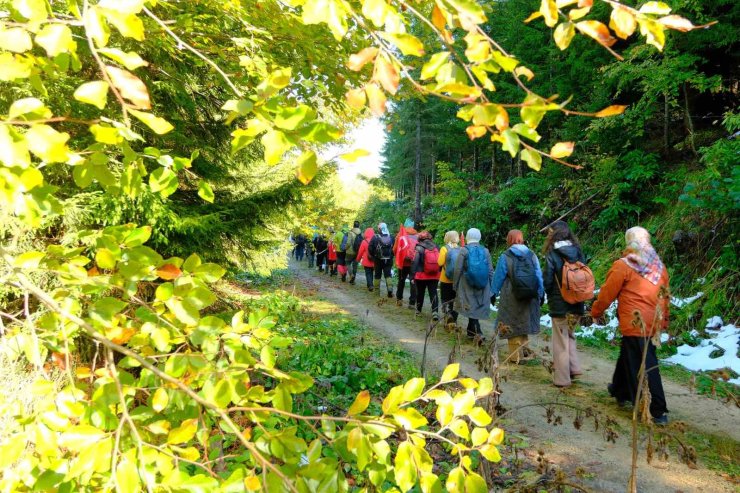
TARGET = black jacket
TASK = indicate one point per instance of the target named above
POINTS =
(321, 245)
(373, 246)
(552, 278)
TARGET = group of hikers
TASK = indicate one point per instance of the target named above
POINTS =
(470, 284)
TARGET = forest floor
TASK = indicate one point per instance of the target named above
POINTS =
(711, 426)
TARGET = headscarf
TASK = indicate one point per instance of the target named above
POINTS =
(515, 237)
(408, 223)
(473, 235)
(383, 229)
(452, 238)
(640, 255)
(424, 235)
(411, 231)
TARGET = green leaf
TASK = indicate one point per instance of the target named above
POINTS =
(405, 468)
(360, 404)
(510, 142)
(205, 191)
(131, 60)
(127, 477)
(526, 131)
(164, 181)
(532, 158)
(94, 93)
(105, 309)
(307, 167)
(282, 399)
(158, 125)
(183, 433)
(28, 260)
(222, 393)
(456, 481)
(290, 118)
(137, 236)
(267, 356)
(431, 68)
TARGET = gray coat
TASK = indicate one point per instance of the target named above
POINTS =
(469, 301)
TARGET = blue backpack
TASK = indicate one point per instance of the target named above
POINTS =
(450, 260)
(477, 269)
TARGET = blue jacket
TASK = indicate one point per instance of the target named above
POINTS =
(499, 276)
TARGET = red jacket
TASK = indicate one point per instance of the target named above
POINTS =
(363, 256)
(633, 293)
(332, 251)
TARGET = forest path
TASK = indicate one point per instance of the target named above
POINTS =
(606, 465)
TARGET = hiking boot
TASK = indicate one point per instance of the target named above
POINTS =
(435, 317)
(352, 280)
(370, 288)
(390, 294)
(661, 420)
(399, 302)
(417, 314)
(411, 307)
(344, 278)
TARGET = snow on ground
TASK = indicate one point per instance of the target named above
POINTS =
(682, 302)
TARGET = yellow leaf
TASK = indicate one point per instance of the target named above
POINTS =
(533, 16)
(387, 75)
(522, 70)
(33, 10)
(562, 149)
(438, 17)
(158, 125)
(653, 31)
(615, 109)
(563, 34)
(356, 98)
(360, 404)
(450, 372)
(496, 437)
(376, 99)
(123, 6)
(15, 39)
(361, 58)
(407, 43)
(183, 433)
(48, 144)
(532, 158)
(597, 31)
(130, 87)
(657, 8)
(160, 399)
(475, 131)
(94, 93)
(676, 22)
(576, 14)
(622, 21)
(375, 11)
(131, 60)
(307, 167)
(252, 483)
(56, 39)
(128, 25)
(95, 25)
(549, 11)
(490, 452)
(353, 156)
(460, 428)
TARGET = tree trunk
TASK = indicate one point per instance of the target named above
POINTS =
(434, 169)
(475, 158)
(665, 122)
(493, 164)
(689, 121)
(417, 173)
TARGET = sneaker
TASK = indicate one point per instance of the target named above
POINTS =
(390, 294)
(344, 278)
(351, 280)
(399, 302)
(371, 289)
(435, 317)
(661, 420)
(417, 314)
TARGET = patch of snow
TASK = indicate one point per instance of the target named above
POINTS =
(701, 280)
(681, 302)
(664, 338)
(698, 358)
(714, 323)
(546, 321)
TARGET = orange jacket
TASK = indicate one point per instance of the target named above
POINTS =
(363, 255)
(633, 293)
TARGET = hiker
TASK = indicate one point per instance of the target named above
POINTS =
(300, 247)
(354, 239)
(310, 250)
(561, 248)
(331, 255)
(425, 272)
(639, 283)
(381, 249)
(321, 246)
(518, 280)
(472, 281)
(363, 256)
(405, 249)
(447, 257)
(340, 241)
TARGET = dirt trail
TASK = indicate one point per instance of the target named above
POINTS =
(607, 465)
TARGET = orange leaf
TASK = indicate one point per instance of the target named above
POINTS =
(59, 360)
(168, 272)
(376, 98)
(93, 272)
(615, 109)
(361, 58)
(356, 98)
(475, 131)
(438, 18)
(130, 87)
(585, 3)
(502, 119)
(597, 31)
(562, 149)
(120, 335)
(387, 75)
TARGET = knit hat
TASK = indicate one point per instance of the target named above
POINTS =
(473, 235)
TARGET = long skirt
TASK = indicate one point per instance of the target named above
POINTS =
(624, 381)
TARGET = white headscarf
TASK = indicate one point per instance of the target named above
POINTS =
(473, 235)
(383, 229)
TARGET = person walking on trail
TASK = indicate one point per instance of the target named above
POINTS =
(340, 244)
(321, 249)
(447, 257)
(472, 281)
(364, 257)
(405, 254)
(518, 281)
(563, 255)
(354, 239)
(381, 249)
(310, 250)
(300, 247)
(331, 255)
(425, 271)
(639, 283)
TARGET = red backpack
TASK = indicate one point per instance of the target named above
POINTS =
(431, 262)
(409, 252)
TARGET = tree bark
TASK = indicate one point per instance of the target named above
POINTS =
(417, 173)
(665, 122)
(689, 121)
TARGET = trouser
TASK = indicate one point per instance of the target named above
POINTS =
(341, 264)
(403, 274)
(320, 259)
(564, 355)
(625, 378)
(447, 293)
(383, 268)
(352, 269)
(299, 252)
(516, 348)
(369, 277)
(473, 327)
(310, 257)
(427, 285)
(331, 267)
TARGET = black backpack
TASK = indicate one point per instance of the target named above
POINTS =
(383, 248)
(523, 276)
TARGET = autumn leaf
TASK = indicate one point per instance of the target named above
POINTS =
(562, 149)
(475, 131)
(387, 75)
(356, 98)
(522, 70)
(563, 34)
(549, 11)
(376, 98)
(168, 272)
(362, 58)
(130, 87)
(438, 18)
(615, 109)
(597, 31)
(622, 21)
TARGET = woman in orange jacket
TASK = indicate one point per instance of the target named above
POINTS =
(365, 258)
(639, 283)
